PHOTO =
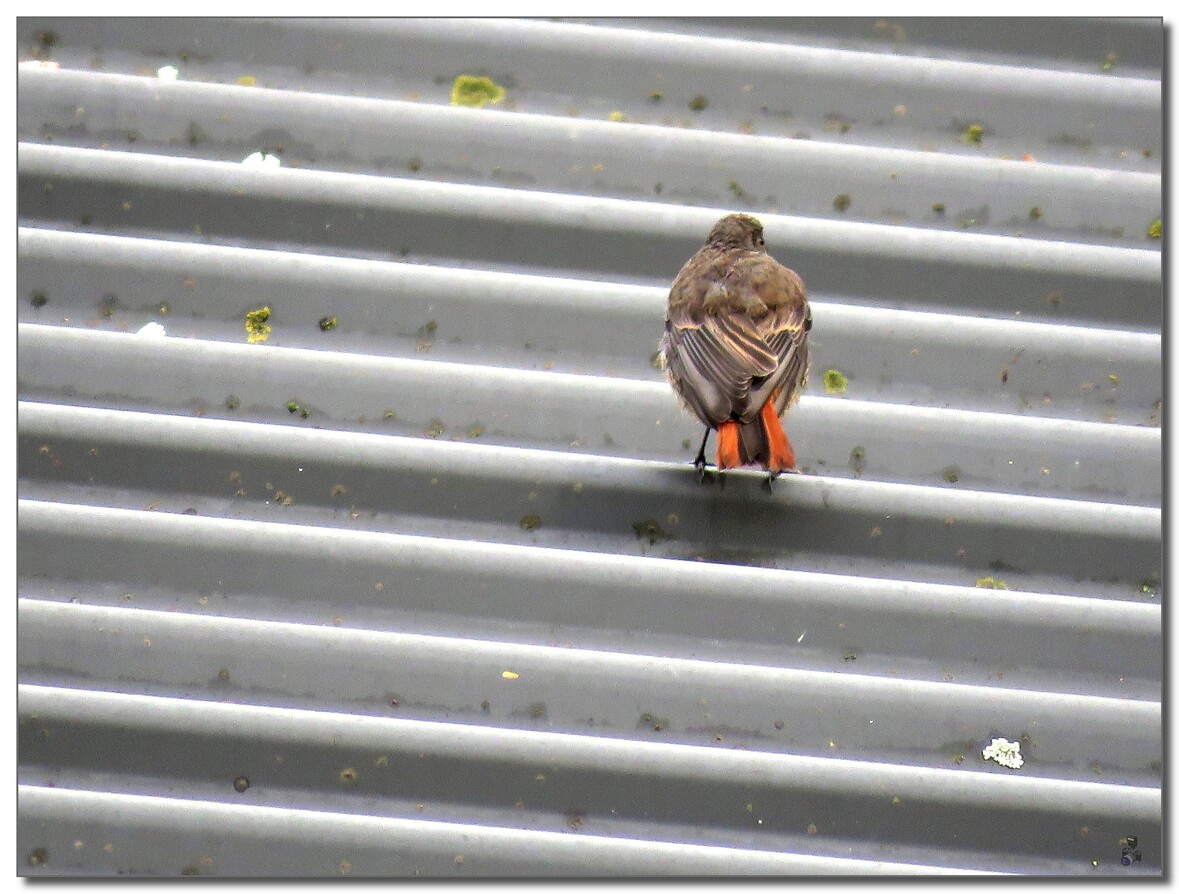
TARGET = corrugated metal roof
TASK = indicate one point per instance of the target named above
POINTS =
(437, 590)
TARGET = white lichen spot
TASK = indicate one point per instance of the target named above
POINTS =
(168, 73)
(1004, 753)
(261, 160)
(153, 330)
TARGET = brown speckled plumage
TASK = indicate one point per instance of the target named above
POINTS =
(735, 345)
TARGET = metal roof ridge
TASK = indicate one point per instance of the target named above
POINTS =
(650, 135)
(506, 204)
(598, 664)
(723, 52)
(616, 297)
(553, 748)
(354, 830)
(934, 417)
(533, 463)
(915, 596)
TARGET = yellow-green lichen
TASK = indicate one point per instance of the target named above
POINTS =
(834, 381)
(1155, 230)
(856, 460)
(699, 103)
(616, 116)
(974, 134)
(474, 93)
(530, 522)
(990, 583)
(327, 324)
(257, 329)
(842, 202)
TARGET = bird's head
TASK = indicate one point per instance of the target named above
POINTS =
(738, 231)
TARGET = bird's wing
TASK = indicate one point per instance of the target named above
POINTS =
(736, 335)
(785, 332)
(716, 361)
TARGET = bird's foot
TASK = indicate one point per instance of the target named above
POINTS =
(700, 462)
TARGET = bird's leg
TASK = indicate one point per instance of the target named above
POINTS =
(700, 462)
(769, 482)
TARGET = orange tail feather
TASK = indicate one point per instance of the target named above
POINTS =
(781, 456)
(728, 453)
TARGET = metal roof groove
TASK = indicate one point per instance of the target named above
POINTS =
(541, 151)
(609, 754)
(554, 409)
(315, 836)
(710, 698)
(1054, 43)
(493, 226)
(466, 609)
(964, 355)
(1010, 626)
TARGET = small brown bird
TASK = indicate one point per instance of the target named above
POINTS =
(735, 345)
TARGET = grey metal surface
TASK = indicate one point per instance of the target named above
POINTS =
(473, 613)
